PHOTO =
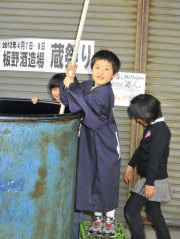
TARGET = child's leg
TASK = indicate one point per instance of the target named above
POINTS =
(153, 210)
(110, 214)
(132, 215)
(77, 219)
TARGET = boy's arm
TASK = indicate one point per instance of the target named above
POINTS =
(63, 95)
(70, 74)
(94, 108)
(67, 81)
(63, 92)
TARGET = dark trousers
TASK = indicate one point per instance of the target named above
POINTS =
(77, 219)
(134, 220)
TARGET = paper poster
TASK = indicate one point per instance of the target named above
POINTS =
(126, 86)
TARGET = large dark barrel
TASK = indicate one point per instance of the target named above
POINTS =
(38, 152)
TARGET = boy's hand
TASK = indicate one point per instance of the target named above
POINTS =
(35, 100)
(68, 80)
(128, 174)
(71, 69)
(149, 191)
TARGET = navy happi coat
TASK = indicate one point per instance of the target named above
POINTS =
(98, 166)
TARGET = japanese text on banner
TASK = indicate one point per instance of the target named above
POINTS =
(44, 55)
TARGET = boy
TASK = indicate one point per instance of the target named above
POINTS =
(98, 169)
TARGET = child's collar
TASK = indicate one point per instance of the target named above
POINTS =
(158, 120)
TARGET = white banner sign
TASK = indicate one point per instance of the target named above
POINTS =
(45, 55)
(126, 86)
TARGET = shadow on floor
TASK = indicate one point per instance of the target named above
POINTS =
(150, 234)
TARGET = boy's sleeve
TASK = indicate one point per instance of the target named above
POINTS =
(63, 95)
(63, 92)
(91, 105)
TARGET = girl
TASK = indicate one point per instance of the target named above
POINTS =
(53, 87)
(151, 159)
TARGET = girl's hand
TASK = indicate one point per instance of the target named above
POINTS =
(35, 100)
(128, 174)
(149, 191)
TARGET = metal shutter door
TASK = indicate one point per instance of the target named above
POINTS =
(163, 71)
(111, 24)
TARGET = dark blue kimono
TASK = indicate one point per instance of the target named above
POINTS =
(98, 167)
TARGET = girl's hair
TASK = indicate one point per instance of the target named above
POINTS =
(56, 80)
(145, 107)
(109, 56)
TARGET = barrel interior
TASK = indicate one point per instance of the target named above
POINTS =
(15, 106)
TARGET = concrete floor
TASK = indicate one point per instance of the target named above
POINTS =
(150, 234)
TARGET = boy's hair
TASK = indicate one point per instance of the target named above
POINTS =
(145, 107)
(56, 80)
(109, 56)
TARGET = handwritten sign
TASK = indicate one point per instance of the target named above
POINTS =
(126, 86)
(44, 55)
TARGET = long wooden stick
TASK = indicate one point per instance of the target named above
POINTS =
(78, 38)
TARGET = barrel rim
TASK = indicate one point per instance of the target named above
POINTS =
(40, 117)
(37, 117)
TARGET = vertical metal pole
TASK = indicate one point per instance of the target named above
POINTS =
(140, 66)
(78, 38)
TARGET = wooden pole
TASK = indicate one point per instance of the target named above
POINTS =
(78, 38)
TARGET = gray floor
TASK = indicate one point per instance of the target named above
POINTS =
(150, 234)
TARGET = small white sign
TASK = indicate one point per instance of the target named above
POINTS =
(44, 55)
(126, 86)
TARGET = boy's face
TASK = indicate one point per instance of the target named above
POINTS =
(56, 94)
(102, 72)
